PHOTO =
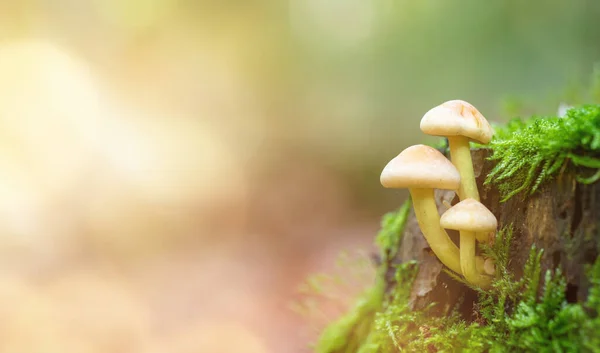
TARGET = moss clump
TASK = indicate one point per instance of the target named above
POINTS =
(529, 153)
(350, 331)
(396, 317)
(392, 228)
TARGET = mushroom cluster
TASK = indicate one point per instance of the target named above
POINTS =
(422, 169)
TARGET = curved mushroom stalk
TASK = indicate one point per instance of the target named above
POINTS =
(429, 222)
(442, 246)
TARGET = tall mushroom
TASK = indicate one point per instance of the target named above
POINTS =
(460, 122)
(470, 216)
(421, 169)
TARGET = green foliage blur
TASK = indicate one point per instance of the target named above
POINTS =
(507, 58)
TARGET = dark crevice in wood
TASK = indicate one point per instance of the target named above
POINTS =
(556, 259)
(577, 210)
(572, 293)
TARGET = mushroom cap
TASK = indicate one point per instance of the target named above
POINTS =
(420, 166)
(457, 118)
(469, 215)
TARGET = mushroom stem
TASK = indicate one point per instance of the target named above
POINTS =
(468, 263)
(429, 222)
(460, 154)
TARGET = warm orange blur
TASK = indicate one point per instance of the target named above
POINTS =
(143, 207)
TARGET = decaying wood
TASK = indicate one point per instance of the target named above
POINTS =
(563, 218)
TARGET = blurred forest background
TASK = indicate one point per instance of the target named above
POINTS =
(172, 170)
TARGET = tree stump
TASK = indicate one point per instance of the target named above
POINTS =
(562, 218)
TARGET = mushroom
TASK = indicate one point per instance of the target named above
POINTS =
(489, 267)
(470, 216)
(460, 122)
(421, 169)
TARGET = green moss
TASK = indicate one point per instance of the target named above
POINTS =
(392, 228)
(440, 144)
(397, 328)
(529, 153)
(511, 317)
(396, 315)
(350, 331)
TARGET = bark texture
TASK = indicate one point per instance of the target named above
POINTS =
(563, 218)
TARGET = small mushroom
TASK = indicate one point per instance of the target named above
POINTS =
(460, 122)
(421, 169)
(470, 216)
(489, 267)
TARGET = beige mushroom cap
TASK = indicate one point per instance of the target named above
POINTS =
(469, 215)
(420, 166)
(457, 118)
